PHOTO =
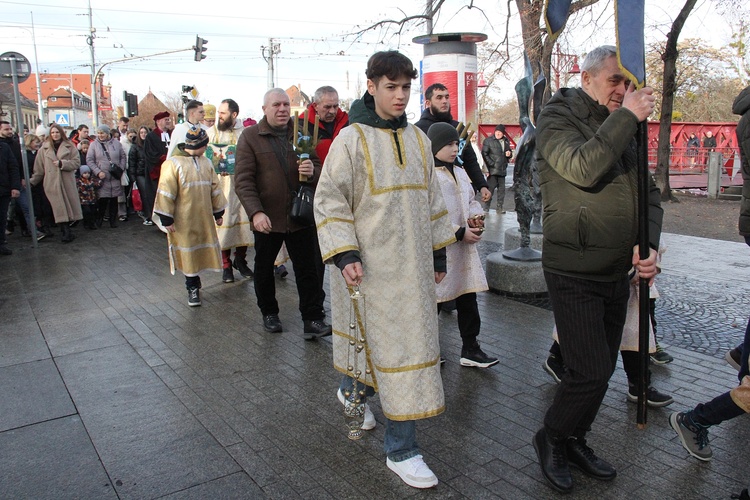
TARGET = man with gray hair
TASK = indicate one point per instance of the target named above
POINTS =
(267, 172)
(332, 119)
(586, 156)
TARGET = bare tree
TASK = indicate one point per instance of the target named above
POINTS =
(537, 43)
(706, 81)
(173, 102)
(668, 91)
(741, 57)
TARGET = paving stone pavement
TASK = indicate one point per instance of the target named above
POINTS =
(112, 387)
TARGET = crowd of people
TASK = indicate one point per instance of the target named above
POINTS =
(383, 188)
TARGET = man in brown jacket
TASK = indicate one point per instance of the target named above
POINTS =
(267, 174)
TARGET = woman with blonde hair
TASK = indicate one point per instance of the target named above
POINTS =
(55, 166)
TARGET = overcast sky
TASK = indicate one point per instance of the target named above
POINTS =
(316, 45)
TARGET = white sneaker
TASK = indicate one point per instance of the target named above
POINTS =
(413, 472)
(369, 421)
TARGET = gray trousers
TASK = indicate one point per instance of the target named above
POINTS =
(496, 182)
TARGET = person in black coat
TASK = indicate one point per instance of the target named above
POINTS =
(439, 110)
(496, 153)
(137, 171)
(155, 150)
(19, 210)
(10, 187)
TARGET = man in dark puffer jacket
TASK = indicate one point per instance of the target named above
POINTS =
(586, 157)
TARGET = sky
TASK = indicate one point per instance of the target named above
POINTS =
(315, 39)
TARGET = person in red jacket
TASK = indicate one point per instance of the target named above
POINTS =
(326, 106)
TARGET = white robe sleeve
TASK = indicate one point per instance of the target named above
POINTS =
(334, 205)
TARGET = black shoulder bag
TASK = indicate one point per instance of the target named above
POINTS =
(302, 203)
(115, 170)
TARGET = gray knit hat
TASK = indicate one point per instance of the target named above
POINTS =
(440, 134)
(103, 128)
(84, 169)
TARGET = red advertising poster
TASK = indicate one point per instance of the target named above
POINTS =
(470, 90)
(447, 78)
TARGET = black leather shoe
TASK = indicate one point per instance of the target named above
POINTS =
(316, 328)
(272, 323)
(242, 267)
(553, 461)
(582, 457)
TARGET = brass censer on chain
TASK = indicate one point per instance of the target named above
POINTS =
(354, 406)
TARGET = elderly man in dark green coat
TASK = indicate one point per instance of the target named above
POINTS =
(586, 156)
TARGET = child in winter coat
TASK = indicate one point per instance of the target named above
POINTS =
(465, 275)
(87, 187)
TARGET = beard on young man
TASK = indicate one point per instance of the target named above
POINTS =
(441, 116)
(224, 125)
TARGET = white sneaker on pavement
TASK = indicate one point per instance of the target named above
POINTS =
(413, 472)
(369, 420)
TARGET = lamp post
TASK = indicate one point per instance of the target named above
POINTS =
(563, 63)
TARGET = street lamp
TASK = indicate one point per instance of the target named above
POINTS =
(563, 63)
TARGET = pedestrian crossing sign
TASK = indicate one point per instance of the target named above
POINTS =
(62, 119)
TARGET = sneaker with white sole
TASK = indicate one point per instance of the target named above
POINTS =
(555, 367)
(661, 357)
(194, 297)
(413, 472)
(734, 357)
(654, 398)
(475, 357)
(694, 437)
(369, 420)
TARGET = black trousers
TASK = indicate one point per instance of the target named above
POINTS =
(89, 215)
(4, 204)
(108, 206)
(301, 246)
(469, 322)
(590, 316)
(630, 363)
(147, 187)
(320, 269)
(723, 407)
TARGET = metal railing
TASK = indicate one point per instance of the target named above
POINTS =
(686, 161)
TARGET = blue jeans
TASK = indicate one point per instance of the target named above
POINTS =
(23, 202)
(400, 441)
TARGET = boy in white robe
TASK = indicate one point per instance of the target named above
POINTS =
(465, 274)
(382, 221)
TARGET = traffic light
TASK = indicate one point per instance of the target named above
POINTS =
(199, 48)
(130, 102)
(132, 105)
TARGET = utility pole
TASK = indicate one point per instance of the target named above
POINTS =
(38, 82)
(268, 54)
(90, 41)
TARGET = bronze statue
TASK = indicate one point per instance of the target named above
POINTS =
(527, 196)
